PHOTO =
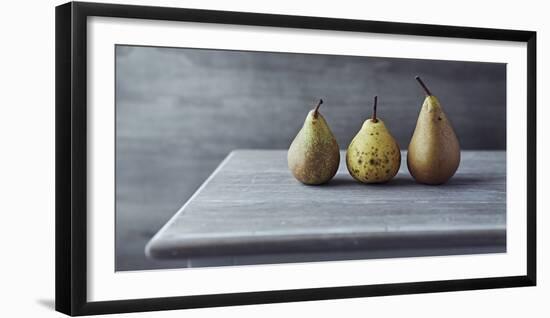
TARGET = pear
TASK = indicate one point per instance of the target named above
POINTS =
(434, 151)
(314, 155)
(373, 155)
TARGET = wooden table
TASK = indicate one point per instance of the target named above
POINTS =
(252, 211)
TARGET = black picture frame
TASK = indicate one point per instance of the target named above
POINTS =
(71, 157)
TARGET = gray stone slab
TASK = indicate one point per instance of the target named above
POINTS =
(251, 210)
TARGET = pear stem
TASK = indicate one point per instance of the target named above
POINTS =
(374, 112)
(423, 86)
(316, 111)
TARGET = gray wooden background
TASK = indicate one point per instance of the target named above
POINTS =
(179, 112)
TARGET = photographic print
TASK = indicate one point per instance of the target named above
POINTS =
(215, 158)
(227, 157)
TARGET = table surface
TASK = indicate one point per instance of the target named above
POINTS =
(251, 211)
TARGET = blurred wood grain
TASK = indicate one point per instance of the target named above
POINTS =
(253, 206)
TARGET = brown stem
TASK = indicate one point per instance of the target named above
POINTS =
(316, 111)
(374, 112)
(423, 86)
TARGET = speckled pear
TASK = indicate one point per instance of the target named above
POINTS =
(373, 155)
(434, 150)
(314, 155)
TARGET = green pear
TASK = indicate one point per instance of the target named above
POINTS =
(434, 151)
(314, 155)
(373, 155)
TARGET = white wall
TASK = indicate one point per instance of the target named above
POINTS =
(27, 157)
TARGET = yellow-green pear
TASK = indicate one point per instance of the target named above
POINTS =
(373, 155)
(434, 151)
(314, 155)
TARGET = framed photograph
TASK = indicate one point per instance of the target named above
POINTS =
(208, 158)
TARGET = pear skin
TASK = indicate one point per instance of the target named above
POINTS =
(373, 155)
(434, 151)
(314, 155)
